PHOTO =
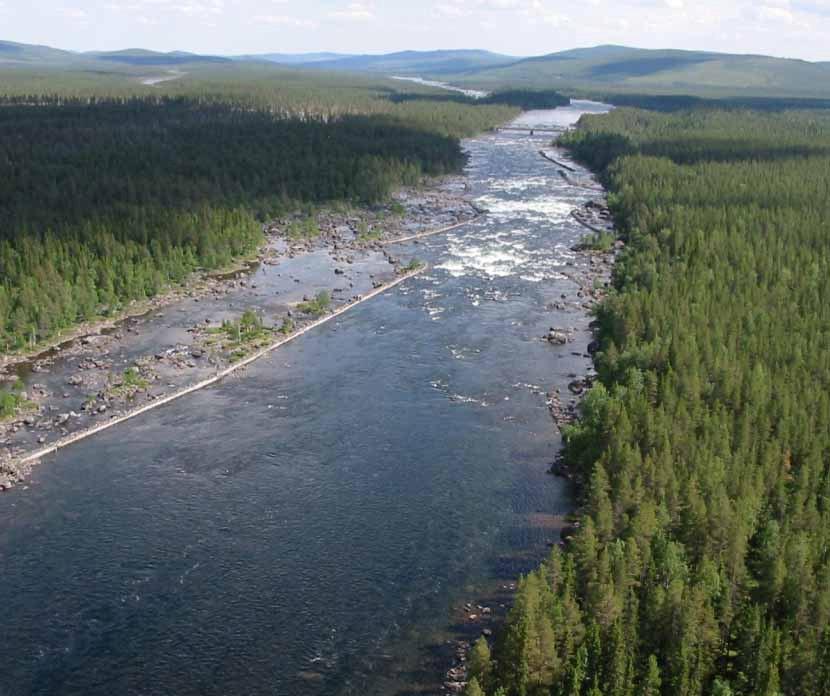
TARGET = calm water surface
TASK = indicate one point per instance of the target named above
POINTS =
(278, 533)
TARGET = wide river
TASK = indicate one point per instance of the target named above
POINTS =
(307, 527)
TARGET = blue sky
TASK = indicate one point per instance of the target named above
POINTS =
(795, 28)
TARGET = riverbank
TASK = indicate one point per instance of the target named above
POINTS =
(198, 284)
(567, 172)
(482, 615)
(103, 373)
(25, 462)
(412, 214)
(333, 514)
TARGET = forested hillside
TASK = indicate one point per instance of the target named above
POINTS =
(281, 90)
(701, 560)
(416, 62)
(627, 70)
(103, 201)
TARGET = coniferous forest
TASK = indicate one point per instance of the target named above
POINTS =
(107, 200)
(700, 563)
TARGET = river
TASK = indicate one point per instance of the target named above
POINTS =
(308, 527)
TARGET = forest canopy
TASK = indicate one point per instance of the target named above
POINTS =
(701, 560)
(104, 200)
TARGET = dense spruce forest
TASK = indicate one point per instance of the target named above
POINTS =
(525, 99)
(681, 102)
(700, 563)
(528, 99)
(104, 200)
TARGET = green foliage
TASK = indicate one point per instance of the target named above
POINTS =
(651, 680)
(615, 70)
(682, 102)
(9, 403)
(413, 265)
(132, 378)
(703, 452)
(284, 92)
(242, 336)
(528, 99)
(306, 229)
(597, 241)
(109, 200)
(721, 688)
(366, 234)
(12, 400)
(246, 329)
(479, 663)
(318, 306)
(474, 688)
(287, 326)
(128, 384)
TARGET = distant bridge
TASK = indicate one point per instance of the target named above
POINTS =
(528, 129)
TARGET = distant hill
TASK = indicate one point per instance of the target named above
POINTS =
(27, 55)
(601, 71)
(11, 53)
(295, 58)
(431, 63)
(619, 68)
(138, 56)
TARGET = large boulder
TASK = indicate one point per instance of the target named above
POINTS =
(557, 337)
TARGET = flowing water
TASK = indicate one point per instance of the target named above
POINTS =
(283, 532)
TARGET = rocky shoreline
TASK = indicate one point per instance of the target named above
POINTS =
(591, 273)
(110, 370)
(568, 171)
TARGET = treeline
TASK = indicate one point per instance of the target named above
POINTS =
(282, 91)
(700, 563)
(524, 99)
(527, 99)
(681, 102)
(700, 136)
(103, 201)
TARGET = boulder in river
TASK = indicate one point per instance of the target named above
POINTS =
(557, 337)
(577, 386)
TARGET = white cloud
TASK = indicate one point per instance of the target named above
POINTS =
(796, 28)
(771, 13)
(541, 12)
(355, 11)
(449, 9)
(71, 13)
(285, 21)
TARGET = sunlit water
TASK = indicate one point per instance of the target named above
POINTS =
(474, 93)
(282, 532)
